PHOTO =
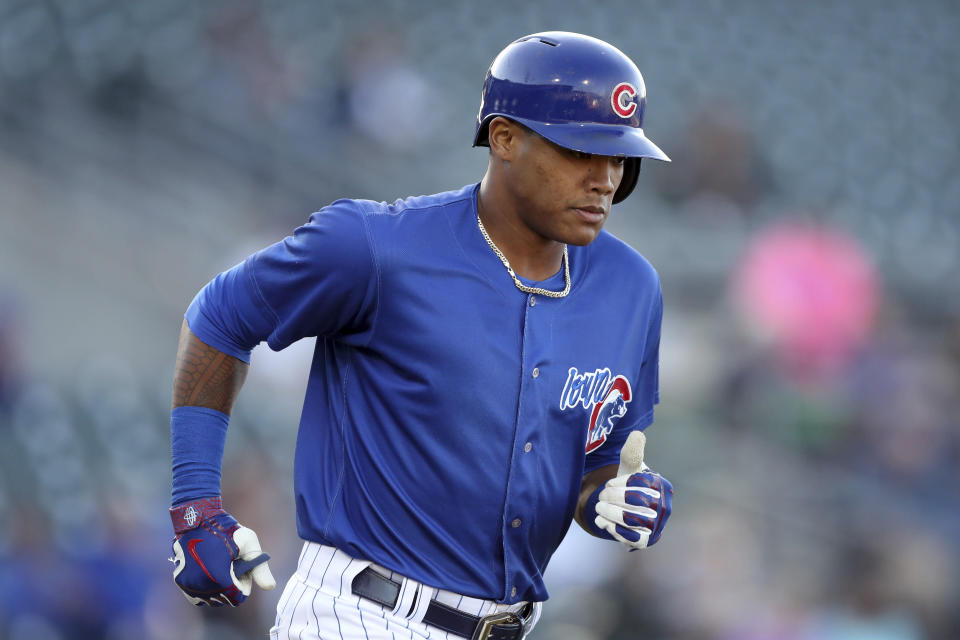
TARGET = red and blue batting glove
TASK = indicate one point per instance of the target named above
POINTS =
(634, 506)
(216, 560)
(631, 509)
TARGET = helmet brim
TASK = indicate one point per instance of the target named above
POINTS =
(599, 139)
(589, 137)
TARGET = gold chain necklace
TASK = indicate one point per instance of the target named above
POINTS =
(516, 280)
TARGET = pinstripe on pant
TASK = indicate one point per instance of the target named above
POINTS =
(317, 603)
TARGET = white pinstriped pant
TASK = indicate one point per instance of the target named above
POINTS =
(317, 603)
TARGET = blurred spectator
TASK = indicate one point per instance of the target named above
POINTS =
(863, 602)
(11, 362)
(122, 95)
(42, 591)
(249, 64)
(383, 95)
(810, 293)
(719, 161)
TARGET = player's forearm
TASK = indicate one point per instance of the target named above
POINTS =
(204, 376)
(591, 482)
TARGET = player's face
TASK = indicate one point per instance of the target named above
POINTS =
(564, 195)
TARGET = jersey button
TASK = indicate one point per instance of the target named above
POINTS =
(527, 447)
(513, 592)
(536, 372)
(516, 523)
(533, 301)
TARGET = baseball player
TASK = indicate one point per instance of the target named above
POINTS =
(482, 356)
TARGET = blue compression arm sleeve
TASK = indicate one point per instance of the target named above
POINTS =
(197, 438)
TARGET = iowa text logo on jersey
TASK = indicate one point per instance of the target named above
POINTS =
(605, 396)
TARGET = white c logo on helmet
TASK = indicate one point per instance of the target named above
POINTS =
(622, 99)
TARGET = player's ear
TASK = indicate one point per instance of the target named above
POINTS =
(504, 136)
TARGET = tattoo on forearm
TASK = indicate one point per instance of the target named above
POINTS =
(204, 376)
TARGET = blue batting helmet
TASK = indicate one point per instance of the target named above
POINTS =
(576, 91)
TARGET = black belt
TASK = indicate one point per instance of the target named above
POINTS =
(498, 626)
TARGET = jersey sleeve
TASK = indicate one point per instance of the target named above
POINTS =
(646, 392)
(647, 389)
(320, 281)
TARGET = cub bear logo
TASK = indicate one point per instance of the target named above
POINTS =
(608, 412)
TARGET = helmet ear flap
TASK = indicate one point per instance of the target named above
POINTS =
(482, 138)
(631, 172)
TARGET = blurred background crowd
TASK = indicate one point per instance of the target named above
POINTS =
(807, 235)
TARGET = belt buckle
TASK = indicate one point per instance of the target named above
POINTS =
(488, 622)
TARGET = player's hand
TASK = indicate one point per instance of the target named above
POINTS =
(216, 560)
(634, 506)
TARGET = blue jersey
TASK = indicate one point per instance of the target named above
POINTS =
(449, 417)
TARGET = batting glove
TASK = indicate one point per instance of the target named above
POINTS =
(634, 506)
(216, 560)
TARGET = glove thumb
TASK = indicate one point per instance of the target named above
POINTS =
(252, 562)
(631, 455)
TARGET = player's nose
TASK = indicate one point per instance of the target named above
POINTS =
(604, 175)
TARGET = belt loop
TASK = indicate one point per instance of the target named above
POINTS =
(533, 617)
(427, 594)
(405, 601)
